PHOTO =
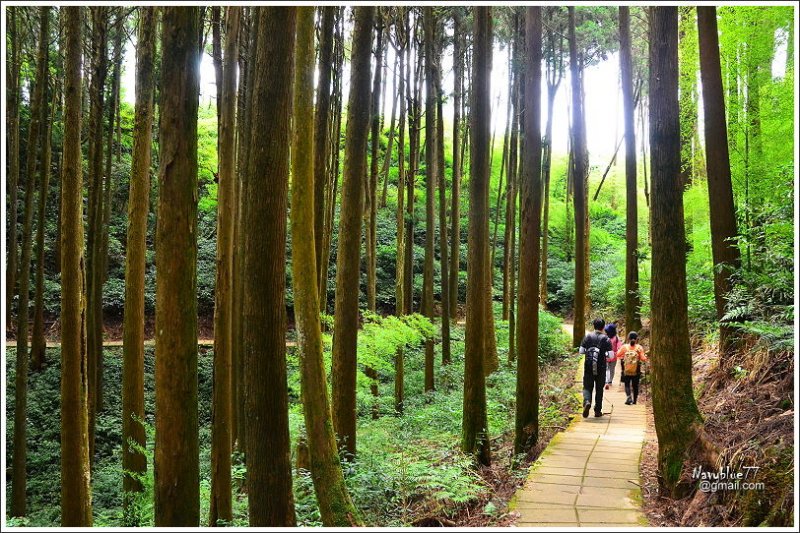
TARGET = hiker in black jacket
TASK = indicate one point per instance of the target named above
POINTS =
(597, 349)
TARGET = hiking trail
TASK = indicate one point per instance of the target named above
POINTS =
(589, 474)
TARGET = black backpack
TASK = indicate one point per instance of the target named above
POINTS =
(592, 356)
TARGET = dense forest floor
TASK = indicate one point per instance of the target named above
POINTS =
(409, 469)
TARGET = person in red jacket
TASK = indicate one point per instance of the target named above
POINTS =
(632, 355)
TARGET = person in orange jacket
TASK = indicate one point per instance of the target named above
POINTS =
(632, 356)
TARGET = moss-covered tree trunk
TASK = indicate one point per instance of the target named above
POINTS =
(677, 419)
(336, 508)
(94, 262)
(474, 437)
(322, 115)
(222, 401)
(579, 172)
(429, 27)
(527, 417)
(135, 263)
(19, 460)
(269, 478)
(455, 187)
(76, 497)
(345, 329)
(177, 476)
(722, 212)
(38, 342)
(633, 321)
(13, 132)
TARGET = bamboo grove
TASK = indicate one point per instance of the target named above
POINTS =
(310, 180)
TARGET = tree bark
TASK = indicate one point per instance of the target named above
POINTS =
(222, 402)
(677, 419)
(269, 480)
(413, 96)
(443, 245)
(13, 129)
(76, 496)
(370, 206)
(19, 461)
(387, 160)
(474, 437)
(455, 187)
(38, 343)
(579, 171)
(321, 126)
(94, 263)
(724, 249)
(633, 303)
(177, 477)
(431, 177)
(345, 330)
(135, 264)
(527, 417)
(336, 508)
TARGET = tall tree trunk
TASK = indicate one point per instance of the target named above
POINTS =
(269, 479)
(633, 304)
(400, 306)
(370, 207)
(578, 177)
(13, 129)
(547, 159)
(677, 419)
(135, 263)
(321, 126)
(108, 188)
(455, 187)
(431, 177)
(177, 476)
(687, 42)
(38, 343)
(336, 508)
(345, 330)
(527, 418)
(724, 249)
(94, 263)
(513, 143)
(413, 97)
(222, 404)
(474, 436)
(19, 461)
(76, 496)
(443, 245)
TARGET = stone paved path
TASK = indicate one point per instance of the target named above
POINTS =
(589, 474)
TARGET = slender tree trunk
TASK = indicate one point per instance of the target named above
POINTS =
(633, 304)
(177, 476)
(413, 97)
(222, 404)
(370, 207)
(578, 176)
(547, 159)
(94, 263)
(443, 245)
(135, 263)
(400, 306)
(510, 192)
(13, 129)
(677, 419)
(431, 177)
(474, 437)
(38, 343)
(345, 330)
(455, 190)
(527, 418)
(269, 479)
(724, 249)
(321, 127)
(76, 496)
(336, 508)
(19, 460)
(387, 160)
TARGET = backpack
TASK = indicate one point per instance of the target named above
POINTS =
(592, 356)
(630, 361)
